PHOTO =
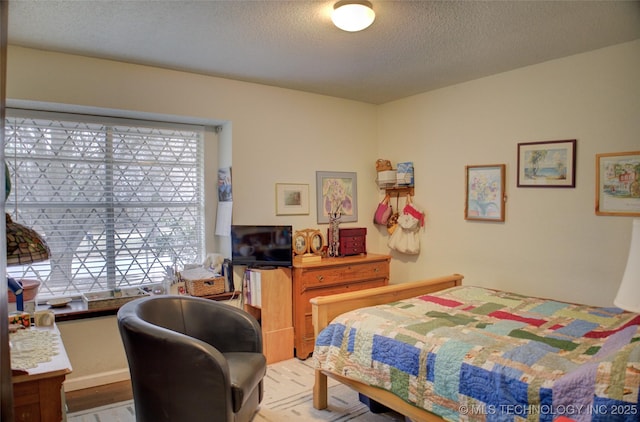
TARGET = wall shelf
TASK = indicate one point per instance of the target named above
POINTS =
(399, 191)
(387, 180)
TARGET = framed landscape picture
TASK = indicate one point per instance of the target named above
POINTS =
(485, 196)
(292, 199)
(618, 184)
(550, 164)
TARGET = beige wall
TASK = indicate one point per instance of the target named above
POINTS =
(278, 135)
(95, 352)
(551, 244)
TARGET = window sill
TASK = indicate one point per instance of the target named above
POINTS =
(77, 309)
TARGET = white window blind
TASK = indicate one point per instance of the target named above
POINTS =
(117, 201)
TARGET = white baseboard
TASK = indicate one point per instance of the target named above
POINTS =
(96, 380)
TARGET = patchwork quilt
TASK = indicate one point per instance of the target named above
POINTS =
(474, 354)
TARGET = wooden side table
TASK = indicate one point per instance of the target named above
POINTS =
(37, 392)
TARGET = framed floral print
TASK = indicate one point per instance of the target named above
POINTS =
(485, 197)
(337, 193)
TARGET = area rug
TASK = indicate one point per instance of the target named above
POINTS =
(287, 397)
(117, 412)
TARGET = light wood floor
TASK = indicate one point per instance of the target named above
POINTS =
(98, 396)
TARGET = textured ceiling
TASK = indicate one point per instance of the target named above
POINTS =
(412, 47)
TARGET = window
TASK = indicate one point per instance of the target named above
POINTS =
(119, 202)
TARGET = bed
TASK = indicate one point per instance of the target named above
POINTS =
(436, 350)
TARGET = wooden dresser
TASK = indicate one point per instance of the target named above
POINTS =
(327, 277)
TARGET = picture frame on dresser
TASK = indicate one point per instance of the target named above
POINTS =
(300, 243)
(618, 184)
(337, 191)
(316, 242)
(308, 241)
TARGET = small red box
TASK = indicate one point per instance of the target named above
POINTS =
(353, 241)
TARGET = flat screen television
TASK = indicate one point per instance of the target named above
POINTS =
(261, 246)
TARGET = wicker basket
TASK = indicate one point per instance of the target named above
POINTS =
(205, 287)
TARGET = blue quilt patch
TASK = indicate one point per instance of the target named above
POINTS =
(326, 337)
(496, 388)
(397, 354)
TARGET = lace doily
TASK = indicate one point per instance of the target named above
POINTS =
(32, 347)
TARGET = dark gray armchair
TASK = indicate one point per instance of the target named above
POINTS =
(192, 359)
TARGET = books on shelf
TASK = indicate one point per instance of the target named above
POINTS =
(253, 288)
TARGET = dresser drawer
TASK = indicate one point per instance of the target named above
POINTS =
(25, 393)
(314, 278)
(27, 413)
(339, 288)
(26, 401)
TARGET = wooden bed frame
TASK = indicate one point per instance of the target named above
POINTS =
(326, 308)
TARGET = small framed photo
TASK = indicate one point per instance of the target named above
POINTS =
(337, 192)
(292, 199)
(485, 196)
(550, 164)
(618, 184)
(300, 243)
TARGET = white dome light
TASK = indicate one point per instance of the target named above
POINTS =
(353, 16)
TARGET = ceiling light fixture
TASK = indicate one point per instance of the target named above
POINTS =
(353, 15)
